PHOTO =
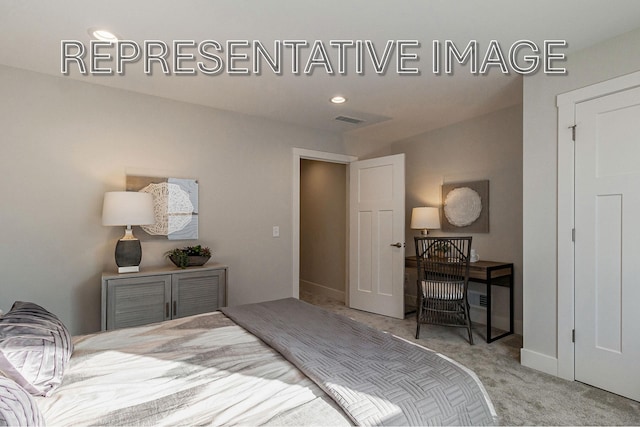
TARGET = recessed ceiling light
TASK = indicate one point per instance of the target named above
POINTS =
(338, 99)
(103, 35)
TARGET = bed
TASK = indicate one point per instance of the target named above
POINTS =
(281, 362)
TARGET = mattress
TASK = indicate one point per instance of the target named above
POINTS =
(199, 370)
(281, 362)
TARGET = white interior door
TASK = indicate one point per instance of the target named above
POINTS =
(607, 243)
(376, 235)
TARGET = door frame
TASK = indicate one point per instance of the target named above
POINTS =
(299, 154)
(566, 104)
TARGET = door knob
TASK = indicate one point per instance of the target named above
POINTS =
(397, 245)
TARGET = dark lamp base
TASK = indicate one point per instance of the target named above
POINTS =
(128, 255)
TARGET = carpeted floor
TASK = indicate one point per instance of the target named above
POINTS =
(521, 396)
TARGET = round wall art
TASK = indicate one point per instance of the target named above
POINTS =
(462, 206)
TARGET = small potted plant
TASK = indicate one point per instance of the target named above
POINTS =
(440, 249)
(189, 256)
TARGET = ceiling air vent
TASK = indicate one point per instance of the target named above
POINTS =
(351, 120)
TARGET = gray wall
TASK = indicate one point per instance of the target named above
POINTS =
(64, 143)
(323, 227)
(486, 147)
(604, 61)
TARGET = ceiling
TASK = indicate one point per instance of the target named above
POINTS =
(393, 106)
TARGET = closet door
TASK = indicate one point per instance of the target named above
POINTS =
(607, 208)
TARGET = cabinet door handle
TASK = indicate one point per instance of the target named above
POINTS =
(175, 308)
(167, 310)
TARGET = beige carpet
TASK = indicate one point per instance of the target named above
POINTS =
(521, 396)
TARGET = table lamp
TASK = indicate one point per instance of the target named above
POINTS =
(128, 208)
(425, 219)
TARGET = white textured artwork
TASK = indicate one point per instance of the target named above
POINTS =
(462, 206)
(175, 204)
(171, 207)
(465, 207)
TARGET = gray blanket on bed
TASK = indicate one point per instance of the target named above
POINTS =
(377, 378)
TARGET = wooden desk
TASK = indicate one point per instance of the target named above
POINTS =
(491, 273)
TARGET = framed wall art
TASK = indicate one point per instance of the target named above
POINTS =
(175, 205)
(465, 207)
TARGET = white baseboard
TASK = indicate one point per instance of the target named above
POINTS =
(538, 361)
(318, 289)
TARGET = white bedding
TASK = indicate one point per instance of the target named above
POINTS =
(197, 370)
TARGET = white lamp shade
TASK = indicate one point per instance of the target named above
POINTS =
(425, 218)
(127, 208)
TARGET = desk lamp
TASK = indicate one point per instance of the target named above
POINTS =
(425, 219)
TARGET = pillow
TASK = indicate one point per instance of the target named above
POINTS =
(17, 407)
(35, 348)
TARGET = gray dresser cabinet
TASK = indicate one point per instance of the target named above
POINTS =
(150, 296)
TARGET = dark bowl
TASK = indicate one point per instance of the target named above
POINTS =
(194, 261)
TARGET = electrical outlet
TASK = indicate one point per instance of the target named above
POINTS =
(276, 231)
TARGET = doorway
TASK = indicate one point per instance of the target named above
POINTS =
(298, 155)
(323, 228)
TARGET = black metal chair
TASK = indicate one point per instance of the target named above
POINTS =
(443, 279)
